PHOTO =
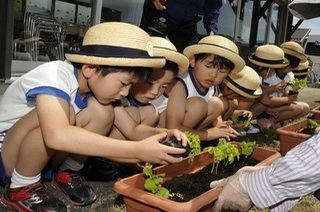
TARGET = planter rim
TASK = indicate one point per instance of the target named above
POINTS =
(129, 191)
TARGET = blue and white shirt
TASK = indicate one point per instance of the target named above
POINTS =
(57, 78)
(192, 90)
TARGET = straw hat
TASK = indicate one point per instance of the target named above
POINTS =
(217, 45)
(270, 56)
(302, 69)
(163, 47)
(245, 83)
(116, 44)
(294, 49)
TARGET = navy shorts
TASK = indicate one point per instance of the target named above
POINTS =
(3, 178)
(47, 172)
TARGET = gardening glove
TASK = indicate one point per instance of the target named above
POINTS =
(234, 195)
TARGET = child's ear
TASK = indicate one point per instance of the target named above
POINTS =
(88, 70)
(192, 61)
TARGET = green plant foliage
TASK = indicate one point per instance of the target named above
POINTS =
(224, 151)
(269, 133)
(247, 148)
(312, 124)
(153, 182)
(298, 84)
(240, 120)
(194, 143)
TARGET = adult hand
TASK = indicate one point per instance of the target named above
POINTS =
(160, 4)
(151, 150)
(234, 195)
(222, 129)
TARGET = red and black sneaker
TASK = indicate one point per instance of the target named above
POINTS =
(34, 197)
(72, 184)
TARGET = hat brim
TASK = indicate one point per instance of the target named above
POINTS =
(269, 65)
(302, 57)
(150, 62)
(256, 94)
(174, 56)
(238, 62)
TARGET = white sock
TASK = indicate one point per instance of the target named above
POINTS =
(70, 164)
(18, 180)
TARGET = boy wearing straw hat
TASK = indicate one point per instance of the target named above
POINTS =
(193, 102)
(239, 92)
(57, 114)
(136, 117)
(272, 65)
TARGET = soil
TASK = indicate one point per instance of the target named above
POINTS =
(308, 131)
(189, 186)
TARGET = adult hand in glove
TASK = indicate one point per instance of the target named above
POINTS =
(234, 195)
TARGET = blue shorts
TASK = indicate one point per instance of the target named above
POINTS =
(3, 178)
(46, 174)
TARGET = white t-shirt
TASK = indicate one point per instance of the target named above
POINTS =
(276, 79)
(192, 90)
(57, 78)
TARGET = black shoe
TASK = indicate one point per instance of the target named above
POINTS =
(72, 184)
(34, 197)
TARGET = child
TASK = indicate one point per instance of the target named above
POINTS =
(302, 70)
(193, 102)
(136, 117)
(271, 64)
(239, 91)
(60, 112)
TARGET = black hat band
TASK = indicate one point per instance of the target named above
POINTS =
(253, 56)
(246, 90)
(111, 51)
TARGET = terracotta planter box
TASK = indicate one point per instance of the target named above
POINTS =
(137, 199)
(290, 135)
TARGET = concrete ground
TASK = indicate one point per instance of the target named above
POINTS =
(109, 201)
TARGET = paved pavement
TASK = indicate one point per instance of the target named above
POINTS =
(109, 201)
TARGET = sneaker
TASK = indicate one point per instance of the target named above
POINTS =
(34, 197)
(72, 184)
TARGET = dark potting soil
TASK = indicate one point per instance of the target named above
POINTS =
(308, 131)
(189, 186)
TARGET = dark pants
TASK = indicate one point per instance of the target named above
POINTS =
(182, 35)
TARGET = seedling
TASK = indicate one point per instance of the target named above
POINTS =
(194, 144)
(312, 124)
(240, 121)
(298, 84)
(225, 152)
(247, 148)
(154, 182)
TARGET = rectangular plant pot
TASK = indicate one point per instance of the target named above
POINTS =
(290, 135)
(137, 199)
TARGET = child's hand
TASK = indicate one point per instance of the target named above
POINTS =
(281, 86)
(222, 130)
(151, 150)
(180, 136)
(292, 98)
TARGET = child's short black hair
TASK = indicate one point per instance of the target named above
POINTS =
(219, 61)
(142, 73)
(172, 67)
(294, 61)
